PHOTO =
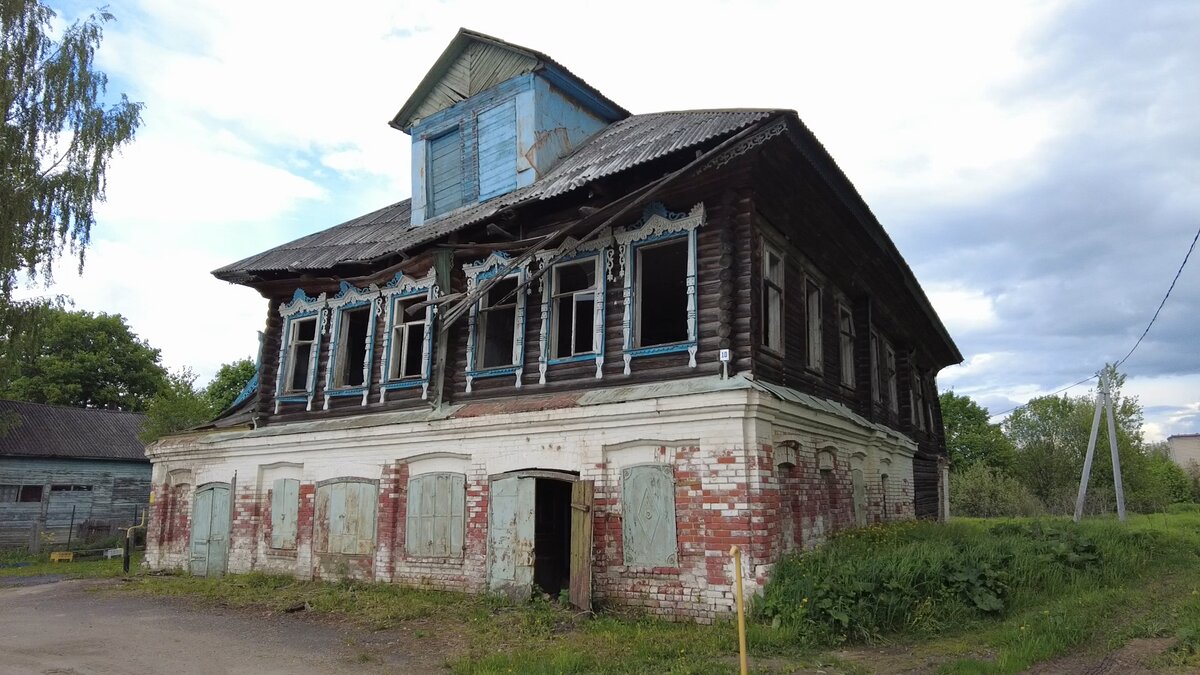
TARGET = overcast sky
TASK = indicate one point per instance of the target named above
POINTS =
(1037, 164)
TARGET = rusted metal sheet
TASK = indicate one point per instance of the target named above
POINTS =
(510, 536)
(581, 544)
(210, 530)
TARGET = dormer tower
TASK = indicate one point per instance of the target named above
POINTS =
(491, 117)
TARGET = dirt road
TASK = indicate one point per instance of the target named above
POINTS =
(50, 626)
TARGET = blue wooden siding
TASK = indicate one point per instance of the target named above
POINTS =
(498, 150)
(118, 491)
(446, 173)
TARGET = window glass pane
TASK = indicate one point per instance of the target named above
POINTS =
(662, 294)
(585, 320)
(30, 493)
(563, 319)
(353, 347)
(415, 350)
(499, 294)
(306, 329)
(497, 332)
(578, 276)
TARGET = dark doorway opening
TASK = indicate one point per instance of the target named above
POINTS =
(552, 536)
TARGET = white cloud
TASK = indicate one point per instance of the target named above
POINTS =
(962, 309)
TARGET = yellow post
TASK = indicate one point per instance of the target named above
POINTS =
(741, 609)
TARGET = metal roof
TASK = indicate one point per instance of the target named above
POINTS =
(38, 430)
(620, 146)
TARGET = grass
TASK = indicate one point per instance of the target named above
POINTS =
(21, 564)
(975, 596)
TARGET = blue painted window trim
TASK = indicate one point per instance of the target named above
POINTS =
(673, 347)
(601, 297)
(300, 307)
(478, 272)
(332, 389)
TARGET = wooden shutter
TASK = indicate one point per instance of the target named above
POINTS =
(648, 515)
(860, 497)
(445, 177)
(285, 498)
(581, 544)
(434, 521)
(497, 150)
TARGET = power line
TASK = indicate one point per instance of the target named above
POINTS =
(1140, 338)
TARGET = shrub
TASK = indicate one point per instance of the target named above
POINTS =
(981, 491)
(921, 578)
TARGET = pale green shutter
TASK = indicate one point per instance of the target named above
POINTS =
(648, 515)
(285, 497)
(434, 520)
(365, 520)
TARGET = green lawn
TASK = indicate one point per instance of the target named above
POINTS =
(972, 597)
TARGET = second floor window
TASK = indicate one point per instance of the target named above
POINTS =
(772, 299)
(299, 358)
(497, 325)
(574, 309)
(408, 341)
(662, 293)
(352, 347)
(814, 325)
(917, 400)
(846, 333)
(889, 375)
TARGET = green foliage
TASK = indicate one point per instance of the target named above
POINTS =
(228, 383)
(82, 359)
(57, 139)
(923, 579)
(1156, 483)
(982, 491)
(970, 438)
(178, 405)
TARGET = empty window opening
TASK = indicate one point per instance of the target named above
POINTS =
(552, 535)
(304, 333)
(445, 173)
(813, 312)
(498, 325)
(662, 293)
(30, 493)
(574, 308)
(772, 300)
(352, 347)
(70, 488)
(917, 400)
(846, 331)
(889, 373)
(877, 381)
(408, 341)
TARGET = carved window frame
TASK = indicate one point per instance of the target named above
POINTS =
(657, 226)
(300, 307)
(399, 289)
(480, 271)
(350, 297)
(599, 251)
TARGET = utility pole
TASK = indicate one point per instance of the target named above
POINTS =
(1103, 403)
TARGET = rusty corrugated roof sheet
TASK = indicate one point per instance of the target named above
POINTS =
(619, 147)
(38, 430)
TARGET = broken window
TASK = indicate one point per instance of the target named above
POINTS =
(70, 488)
(346, 517)
(408, 341)
(285, 506)
(813, 318)
(846, 333)
(30, 493)
(8, 493)
(662, 293)
(648, 515)
(772, 299)
(889, 373)
(497, 325)
(352, 347)
(434, 522)
(916, 401)
(300, 349)
(573, 309)
(877, 382)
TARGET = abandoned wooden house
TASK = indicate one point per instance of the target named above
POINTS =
(65, 470)
(593, 351)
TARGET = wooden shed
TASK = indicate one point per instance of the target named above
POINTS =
(60, 465)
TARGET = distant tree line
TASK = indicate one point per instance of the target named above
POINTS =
(1030, 464)
(52, 354)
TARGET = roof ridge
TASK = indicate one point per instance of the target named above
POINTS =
(69, 407)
